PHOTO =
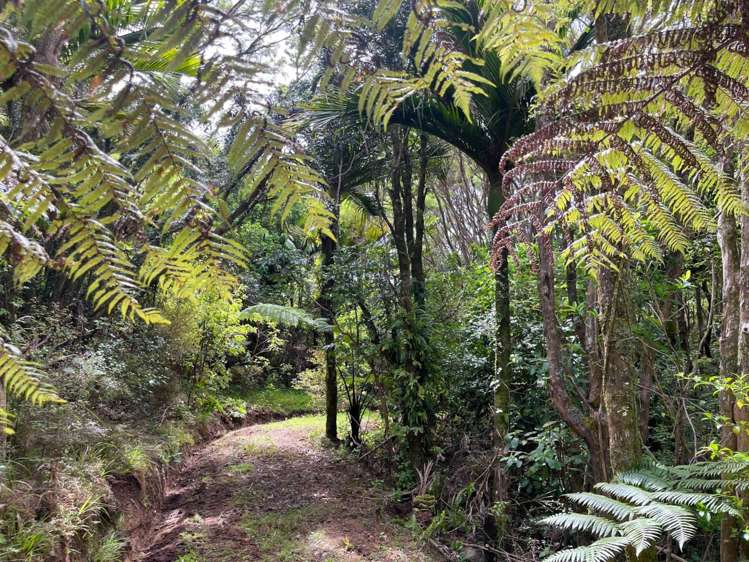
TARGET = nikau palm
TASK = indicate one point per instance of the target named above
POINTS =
(483, 128)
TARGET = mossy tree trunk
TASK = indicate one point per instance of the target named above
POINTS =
(326, 303)
(729, 342)
(498, 481)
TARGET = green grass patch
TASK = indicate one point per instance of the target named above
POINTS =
(282, 535)
(241, 468)
(261, 445)
(283, 401)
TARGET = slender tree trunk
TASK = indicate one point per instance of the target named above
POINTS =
(417, 251)
(741, 415)
(498, 482)
(647, 375)
(583, 426)
(707, 336)
(414, 405)
(3, 436)
(327, 308)
(729, 342)
(378, 365)
(619, 384)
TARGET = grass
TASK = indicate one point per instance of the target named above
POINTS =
(241, 468)
(281, 535)
(283, 401)
(315, 424)
(260, 445)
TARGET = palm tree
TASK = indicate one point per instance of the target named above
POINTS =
(341, 158)
(498, 115)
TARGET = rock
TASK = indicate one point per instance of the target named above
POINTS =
(472, 554)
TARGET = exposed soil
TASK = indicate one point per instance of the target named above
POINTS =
(272, 492)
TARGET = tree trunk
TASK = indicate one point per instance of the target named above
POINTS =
(414, 405)
(741, 415)
(3, 436)
(729, 342)
(583, 426)
(417, 251)
(327, 309)
(498, 483)
(619, 385)
(647, 375)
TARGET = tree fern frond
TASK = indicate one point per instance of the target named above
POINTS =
(679, 522)
(632, 494)
(642, 533)
(23, 378)
(579, 522)
(713, 503)
(603, 504)
(648, 480)
(602, 550)
(90, 249)
(26, 256)
(285, 315)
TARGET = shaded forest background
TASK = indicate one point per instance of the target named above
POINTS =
(512, 238)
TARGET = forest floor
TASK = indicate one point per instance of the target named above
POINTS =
(272, 492)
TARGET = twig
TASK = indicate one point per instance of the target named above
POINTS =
(372, 450)
(671, 554)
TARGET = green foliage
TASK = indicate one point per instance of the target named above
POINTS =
(207, 329)
(106, 177)
(634, 156)
(638, 509)
(286, 402)
(285, 316)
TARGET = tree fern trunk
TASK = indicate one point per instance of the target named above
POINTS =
(729, 340)
(620, 389)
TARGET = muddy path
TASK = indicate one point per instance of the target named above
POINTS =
(271, 492)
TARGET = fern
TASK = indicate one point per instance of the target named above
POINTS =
(630, 157)
(285, 315)
(602, 550)
(436, 67)
(23, 378)
(641, 508)
(104, 175)
(582, 523)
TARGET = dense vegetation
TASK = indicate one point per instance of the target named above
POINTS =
(494, 252)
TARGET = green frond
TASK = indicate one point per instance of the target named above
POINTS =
(602, 550)
(26, 256)
(6, 422)
(632, 494)
(712, 502)
(603, 504)
(23, 378)
(582, 523)
(679, 522)
(89, 249)
(642, 533)
(284, 315)
(651, 481)
(650, 504)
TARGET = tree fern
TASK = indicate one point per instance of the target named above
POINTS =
(285, 315)
(631, 154)
(433, 65)
(639, 509)
(103, 173)
(23, 378)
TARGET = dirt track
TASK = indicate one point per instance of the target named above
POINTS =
(271, 492)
